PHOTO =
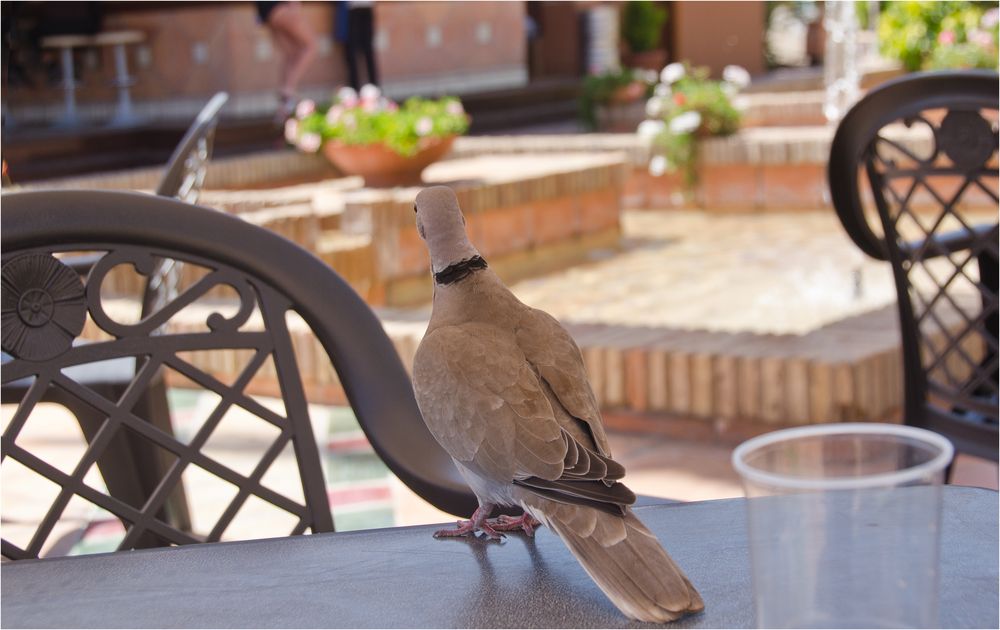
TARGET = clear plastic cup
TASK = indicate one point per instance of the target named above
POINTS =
(844, 525)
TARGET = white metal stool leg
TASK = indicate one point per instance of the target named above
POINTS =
(66, 44)
(123, 111)
(118, 40)
(69, 117)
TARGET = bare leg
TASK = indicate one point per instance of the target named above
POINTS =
(477, 523)
(297, 41)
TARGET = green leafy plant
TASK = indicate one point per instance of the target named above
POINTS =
(601, 89)
(369, 118)
(642, 24)
(937, 35)
(685, 106)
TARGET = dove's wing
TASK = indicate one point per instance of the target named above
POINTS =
(555, 355)
(484, 404)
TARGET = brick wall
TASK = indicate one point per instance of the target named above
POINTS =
(195, 49)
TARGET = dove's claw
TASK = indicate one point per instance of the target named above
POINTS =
(525, 523)
(476, 524)
(461, 529)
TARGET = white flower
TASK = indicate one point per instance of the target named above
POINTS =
(454, 108)
(347, 96)
(649, 129)
(672, 73)
(685, 123)
(370, 93)
(741, 103)
(654, 107)
(424, 126)
(304, 108)
(662, 90)
(990, 18)
(291, 130)
(649, 76)
(657, 165)
(310, 142)
(737, 75)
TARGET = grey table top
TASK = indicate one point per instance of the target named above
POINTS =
(403, 577)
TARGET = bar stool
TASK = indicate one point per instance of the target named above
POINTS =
(65, 44)
(118, 40)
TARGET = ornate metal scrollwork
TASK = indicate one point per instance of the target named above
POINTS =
(966, 138)
(43, 307)
(146, 263)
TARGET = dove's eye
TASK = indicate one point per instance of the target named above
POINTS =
(414, 208)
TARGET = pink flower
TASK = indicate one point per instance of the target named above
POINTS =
(370, 93)
(389, 106)
(291, 130)
(454, 108)
(350, 121)
(947, 38)
(424, 126)
(347, 97)
(981, 38)
(333, 114)
(310, 142)
(304, 108)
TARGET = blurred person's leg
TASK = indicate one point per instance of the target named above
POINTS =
(295, 38)
(364, 18)
(351, 49)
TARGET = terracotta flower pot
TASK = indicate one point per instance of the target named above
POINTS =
(647, 59)
(629, 93)
(383, 167)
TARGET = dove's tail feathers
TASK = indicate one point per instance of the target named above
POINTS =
(628, 563)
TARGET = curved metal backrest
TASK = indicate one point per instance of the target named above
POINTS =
(187, 166)
(45, 305)
(927, 144)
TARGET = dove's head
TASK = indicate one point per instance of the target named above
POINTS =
(441, 224)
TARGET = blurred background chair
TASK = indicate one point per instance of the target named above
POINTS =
(925, 144)
(46, 305)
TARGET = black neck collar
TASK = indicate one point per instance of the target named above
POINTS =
(458, 271)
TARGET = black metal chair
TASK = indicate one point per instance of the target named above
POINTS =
(45, 305)
(185, 173)
(927, 144)
(183, 178)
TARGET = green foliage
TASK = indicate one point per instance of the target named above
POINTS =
(374, 119)
(598, 89)
(642, 24)
(949, 34)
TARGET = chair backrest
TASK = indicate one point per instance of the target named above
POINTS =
(45, 307)
(186, 169)
(927, 145)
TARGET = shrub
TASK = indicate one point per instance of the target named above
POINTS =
(599, 89)
(939, 35)
(687, 105)
(642, 25)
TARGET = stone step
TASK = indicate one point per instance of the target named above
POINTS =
(847, 371)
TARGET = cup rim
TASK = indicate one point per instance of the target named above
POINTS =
(900, 477)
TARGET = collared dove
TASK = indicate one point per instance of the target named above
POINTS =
(502, 387)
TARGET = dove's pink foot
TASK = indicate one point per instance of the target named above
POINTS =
(526, 523)
(477, 523)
